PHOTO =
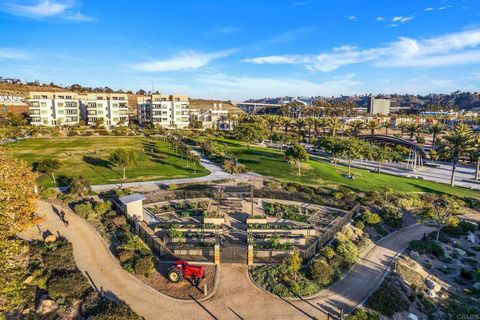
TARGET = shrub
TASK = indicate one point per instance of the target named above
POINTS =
(392, 216)
(125, 255)
(71, 285)
(102, 207)
(359, 225)
(371, 218)
(321, 272)
(88, 133)
(172, 187)
(48, 194)
(361, 314)
(144, 265)
(348, 253)
(59, 257)
(327, 252)
(108, 310)
(427, 247)
(84, 209)
(72, 133)
(388, 300)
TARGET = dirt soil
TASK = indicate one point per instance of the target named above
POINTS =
(184, 290)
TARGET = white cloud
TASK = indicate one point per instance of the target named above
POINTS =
(7, 53)
(396, 21)
(46, 9)
(446, 50)
(352, 18)
(187, 60)
(428, 9)
(444, 8)
(380, 18)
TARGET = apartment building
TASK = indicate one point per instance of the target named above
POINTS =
(112, 108)
(54, 108)
(215, 117)
(166, 111)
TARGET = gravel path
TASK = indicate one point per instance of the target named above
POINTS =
(236, 297)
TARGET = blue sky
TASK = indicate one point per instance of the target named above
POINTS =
(242, 49)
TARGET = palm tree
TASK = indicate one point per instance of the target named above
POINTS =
(475, 155)
(272, 121)
(414, 129)
(436, 129)
(402, 125)
(300, 124)
(387, 125)
(457, 143)
(317, 123)
(373, 125)
(286, 122)
(357, 126)
(334, 124)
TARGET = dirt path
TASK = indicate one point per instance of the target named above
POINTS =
(236, 297)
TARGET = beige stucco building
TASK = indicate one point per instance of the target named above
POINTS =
(54, 108)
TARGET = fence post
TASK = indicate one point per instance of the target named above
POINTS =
(216, 254)
(250, 255)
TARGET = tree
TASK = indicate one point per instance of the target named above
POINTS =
(348, 252)
(249, 132)
(414, 129)
(298, 153)
(402, 125)
(357, 126)
(17, 213)
(373, 125)
(457, 143)
(300, 124)
(442, 210)
(333, 124)
(272, 122)
(286, 123)
(475, 155)
(124, 158)
(331, 145)
(350, 150)
(380, 154)
(387, 125)
(436, 129)
(48, 166)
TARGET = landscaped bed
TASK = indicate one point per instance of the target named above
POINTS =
(183, 290)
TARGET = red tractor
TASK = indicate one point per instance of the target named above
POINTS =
(182, 270)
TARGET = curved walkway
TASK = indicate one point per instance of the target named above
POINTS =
(236, 297)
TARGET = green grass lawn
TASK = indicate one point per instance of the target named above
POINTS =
(88, 156)
(271, 163)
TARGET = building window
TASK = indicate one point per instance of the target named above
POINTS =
(61, 112)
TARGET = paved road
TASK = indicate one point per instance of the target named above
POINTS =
(236, 297)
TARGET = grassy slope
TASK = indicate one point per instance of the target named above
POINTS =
(78, 158)
(271, 163)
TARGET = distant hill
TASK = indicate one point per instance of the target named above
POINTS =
(460, 100)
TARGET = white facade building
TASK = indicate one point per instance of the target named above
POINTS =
(54, 108)
(111, 107)
(166, 111)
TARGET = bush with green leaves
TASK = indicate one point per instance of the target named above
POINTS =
(371, 218)
(359, 225)
(392, 216)
(108, 310)
(144, 265)
(361, 314)
(321, 272)
(431, 247)
(348, 252)
(58, 256)
(70, 285)
(48, 194)
(388, 299)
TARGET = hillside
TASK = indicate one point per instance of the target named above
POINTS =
(460, 100)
